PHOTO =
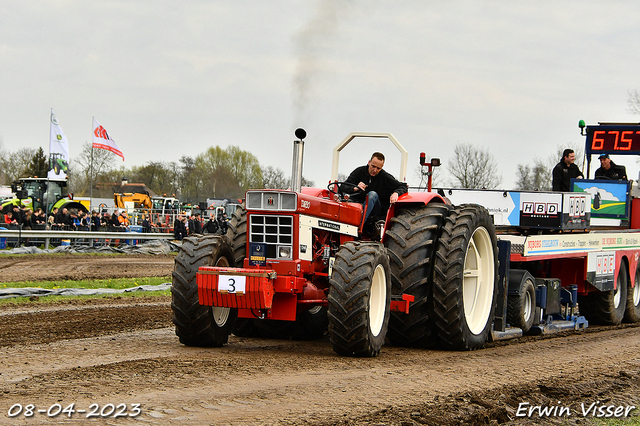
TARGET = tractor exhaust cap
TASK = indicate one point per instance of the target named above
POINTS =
(298, 151)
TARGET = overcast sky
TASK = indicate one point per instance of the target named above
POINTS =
(168, 79)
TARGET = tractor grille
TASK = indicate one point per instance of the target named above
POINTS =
(272, 200)
(275, 231)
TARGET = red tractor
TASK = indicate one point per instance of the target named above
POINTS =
(296, 264)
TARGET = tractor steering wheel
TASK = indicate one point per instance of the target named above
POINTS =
(333, 187)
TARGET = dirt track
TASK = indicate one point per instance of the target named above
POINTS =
(125, 351)
(79, 266)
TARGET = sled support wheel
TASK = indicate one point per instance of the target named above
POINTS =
(632, 311)
(521, 301)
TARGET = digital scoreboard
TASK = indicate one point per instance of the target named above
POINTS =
(613, 139)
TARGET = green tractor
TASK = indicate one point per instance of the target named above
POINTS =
(58, 163)
(41, 193)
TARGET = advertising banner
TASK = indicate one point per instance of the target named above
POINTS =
(58, 150)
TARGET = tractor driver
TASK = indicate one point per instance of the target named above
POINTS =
(610, 170)
(374, 188)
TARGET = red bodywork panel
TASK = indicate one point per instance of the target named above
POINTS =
(320, 203)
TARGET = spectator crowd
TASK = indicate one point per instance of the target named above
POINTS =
(118, 221)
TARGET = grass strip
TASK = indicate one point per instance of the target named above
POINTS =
(115, 283)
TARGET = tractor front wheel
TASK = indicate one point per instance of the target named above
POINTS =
(198, 325)
(359, 299)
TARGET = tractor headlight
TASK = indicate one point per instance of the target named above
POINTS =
(284, 252)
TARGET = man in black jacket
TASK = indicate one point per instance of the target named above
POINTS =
(211, 227)
(179, 228)
(564, 171)
(374, 188)
(610, 170)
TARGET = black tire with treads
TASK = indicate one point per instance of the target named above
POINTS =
(410, 241)
(521, 301)
(632, 311)
(198, 325)
(359, 299)
(466, 259)
(607, 307)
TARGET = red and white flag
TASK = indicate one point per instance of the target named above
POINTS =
(102, 140)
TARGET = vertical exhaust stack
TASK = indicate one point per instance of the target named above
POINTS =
(298, 151)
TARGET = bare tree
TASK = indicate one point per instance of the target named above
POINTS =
(472, 167)
(273, 178)
(634, 102)
(534, 178)
(188, 180)
(80, 176)
(15, 165)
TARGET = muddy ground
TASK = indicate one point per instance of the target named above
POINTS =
(124, 351)
(82, 266)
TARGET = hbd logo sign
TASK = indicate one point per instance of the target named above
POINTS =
(547, 209)
(577, 206)
(605, 264)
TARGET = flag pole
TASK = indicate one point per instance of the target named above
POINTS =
(46, 206)
(50, 136)
(91, 181)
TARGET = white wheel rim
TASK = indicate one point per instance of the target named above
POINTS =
(616, 294)
(636, 290)
(377, 300)
(220, 315)
(478, 284)
(528, 306)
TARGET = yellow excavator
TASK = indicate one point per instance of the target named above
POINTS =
(133, 200)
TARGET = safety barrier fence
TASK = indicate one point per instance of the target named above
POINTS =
(55, 237)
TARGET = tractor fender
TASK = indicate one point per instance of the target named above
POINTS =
(8, 205)
(69, 204)
(415, 199)
(420, 198)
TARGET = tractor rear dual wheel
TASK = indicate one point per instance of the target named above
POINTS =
(411, 241)
(465, 281)
(198, 325)
(359, 299)
(237, 234)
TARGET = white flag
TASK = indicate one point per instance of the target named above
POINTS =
(58, 151)
(102, 140)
